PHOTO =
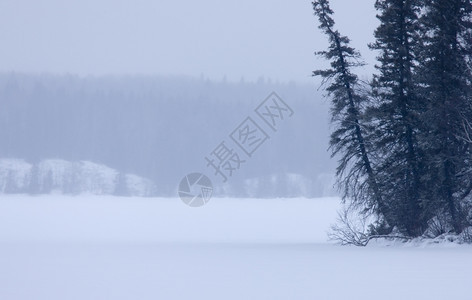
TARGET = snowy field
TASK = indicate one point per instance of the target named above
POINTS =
(92, 247)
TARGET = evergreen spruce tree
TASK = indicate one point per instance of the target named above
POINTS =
(121, 186)
(406, 147)
(34, 183)
(396, 111)
(11, 184)
(47, 183)
(355, 171)
(446, 79)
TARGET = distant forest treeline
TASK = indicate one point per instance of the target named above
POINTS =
(161, 128)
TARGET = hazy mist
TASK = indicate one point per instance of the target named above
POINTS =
(151, 87)
(250, 39)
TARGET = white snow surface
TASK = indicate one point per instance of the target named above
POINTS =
(105, 247)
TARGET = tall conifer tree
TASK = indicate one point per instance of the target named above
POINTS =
(446, 81)
(395, 112)
(355, 171)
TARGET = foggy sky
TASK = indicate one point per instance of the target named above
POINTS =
(246, 38)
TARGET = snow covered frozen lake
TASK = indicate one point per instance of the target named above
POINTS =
(104, 247)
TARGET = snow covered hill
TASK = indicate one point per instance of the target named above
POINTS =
(66, 177)
(61, 176)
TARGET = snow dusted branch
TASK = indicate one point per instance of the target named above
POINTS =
(354, 231)
(467, 131)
